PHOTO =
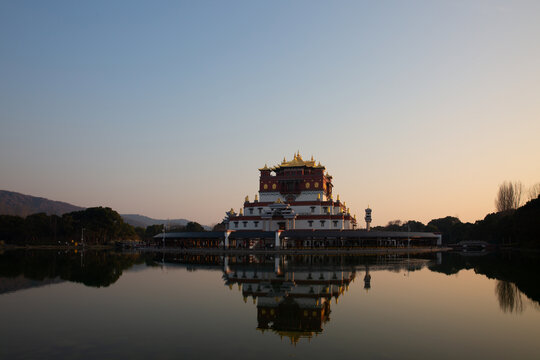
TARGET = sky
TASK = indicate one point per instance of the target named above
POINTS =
(419, 109)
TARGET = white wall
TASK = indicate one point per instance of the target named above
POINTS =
(299, 224)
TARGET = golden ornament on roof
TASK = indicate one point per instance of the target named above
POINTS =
(241, 211)
(297, 161)
(247, 199)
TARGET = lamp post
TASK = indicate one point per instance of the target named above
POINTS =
(82, 236)
(408, 236)
(164, 236)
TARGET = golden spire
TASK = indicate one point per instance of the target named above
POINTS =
(312, 158)
(338, 197)
(256, 197)
(247, 199)
(284, 160)
(241, 211)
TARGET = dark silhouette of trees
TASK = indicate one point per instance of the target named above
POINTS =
(219, 227)
(101, 225)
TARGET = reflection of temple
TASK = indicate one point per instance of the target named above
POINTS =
(291, 302)
(293, 293)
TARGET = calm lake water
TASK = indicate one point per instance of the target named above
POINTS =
(107, 305)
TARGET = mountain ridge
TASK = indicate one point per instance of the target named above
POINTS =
(18, 204)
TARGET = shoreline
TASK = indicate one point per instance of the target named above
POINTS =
(351, 251)
(242, 251)
(236, 251)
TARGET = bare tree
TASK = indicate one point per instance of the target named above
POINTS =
(518, 192)
(509, 196)
(534, 191)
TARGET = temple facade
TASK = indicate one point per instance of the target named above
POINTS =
(295, 194)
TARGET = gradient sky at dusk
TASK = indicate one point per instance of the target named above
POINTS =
(418, 108)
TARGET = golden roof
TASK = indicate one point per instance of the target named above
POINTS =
(297, 161)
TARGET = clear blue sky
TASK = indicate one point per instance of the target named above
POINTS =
(418, 108)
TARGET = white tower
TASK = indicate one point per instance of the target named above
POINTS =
(368, 218)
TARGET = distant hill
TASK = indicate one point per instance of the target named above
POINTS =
(144, 221)
(12, 203)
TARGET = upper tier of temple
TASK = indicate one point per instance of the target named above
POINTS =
(291, 178)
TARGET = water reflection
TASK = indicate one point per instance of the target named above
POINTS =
(293, 294)
(293, 299)
(22, 269)
(515, 273)
(509, 297)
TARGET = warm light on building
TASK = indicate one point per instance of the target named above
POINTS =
(295, 194)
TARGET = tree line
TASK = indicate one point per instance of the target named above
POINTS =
(513, 224)
(94, 226)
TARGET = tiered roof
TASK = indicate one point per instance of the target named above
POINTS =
(297, 161)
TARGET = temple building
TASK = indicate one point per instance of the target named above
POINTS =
(295, 194)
